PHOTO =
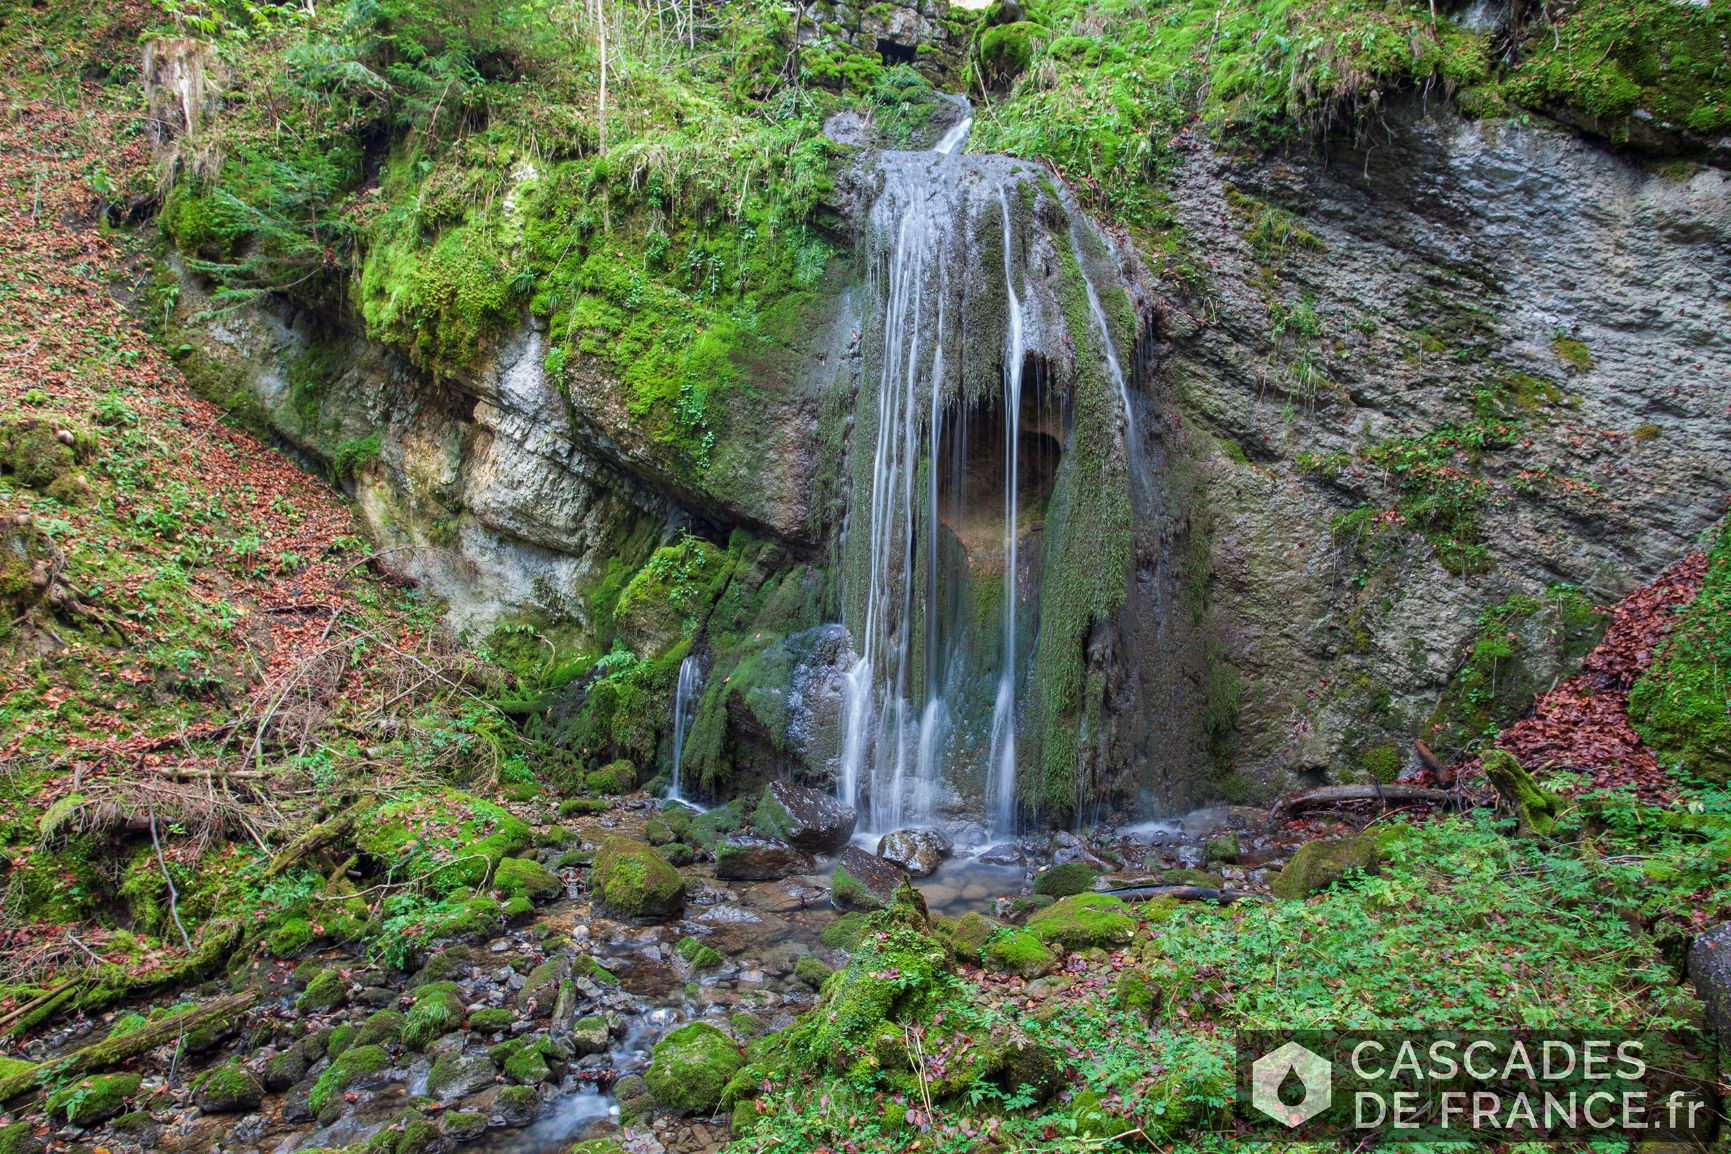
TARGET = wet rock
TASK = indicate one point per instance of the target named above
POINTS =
(456, 1076)
(864, 881)
(589, 1036)
(517, 1105)
(746, 858)
(289, 1067)
(1002, 854)
(1068, 878)
(1192, 857)
(782, 897)
(805, 818)
(919, 851)
(633, 1097)
(463, 1125)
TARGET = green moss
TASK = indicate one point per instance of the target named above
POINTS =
(698, 955)
(35, 455)
(1681, 706)
(227, 1088)
(691, 1067)
(325, 992)
(1083, 921)
(437, 1011)
(90, 1100)
(1382, 763)
(446, 838)
(618, 776)
(1134, 994)
(383, 1028)
(349, 1067)
(632, 881)
(1019, 952)
(811, 971)
(518, 877)
(845, 932)
(1063, 880)
(290, 937)
(1572, 353)
(490, 1020)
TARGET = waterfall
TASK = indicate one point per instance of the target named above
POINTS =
(942, 542)
(1001, 772)
(685, 696)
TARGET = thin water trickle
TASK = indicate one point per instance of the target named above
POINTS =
(1001, 772)
(685, 695)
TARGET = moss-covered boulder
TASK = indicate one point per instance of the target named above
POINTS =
(455, 1076)
(1061, 881)
(589, 1036)
(1018, 952)
(633, 881)
(691, 1066)
(448, 838)
(91, 1100)
(326, 991)
(811, 971)
(19, 1138)
(355, 1067)
(969, 934)
(1084, 921)
(437, 1011)
(517, 1105)
(1319, 864)
(615, 777)
(35, 455)
(227, 1089)
(523, 877)
(845, 932)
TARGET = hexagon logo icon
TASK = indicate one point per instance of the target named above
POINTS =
(1274, 1068)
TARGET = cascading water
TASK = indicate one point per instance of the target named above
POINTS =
(956, 441)
(685, 695)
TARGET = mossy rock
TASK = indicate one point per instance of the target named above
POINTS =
(36, 457)
(491, 1020)
(525, 1064)
(1019, 952)
(845, 932)
(632, 881)
(227, 1089)
(1320, 864)
(91, 1100)
(615, 777)
(708, 828)
(1222, 848)
(437, 1011)
(290, 938)
(325, 992)
(351, 1067)
(383, 1028)
(691, 1067)
(1135, 994)
(590, 1035)
(456, 1076)
(518, 1105)
(811, 971)
(697, 955)
(1083, 921)
(520, 877)
(576, 806)
(462, 1125)
(449, 838)
(1061, 881)
(19, 1138)
(969, 934)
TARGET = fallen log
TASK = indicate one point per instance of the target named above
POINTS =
(317, 837)
(1537, 810)
(112, 1051)
(1388, 795)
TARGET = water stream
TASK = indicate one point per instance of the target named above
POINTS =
(686, 693)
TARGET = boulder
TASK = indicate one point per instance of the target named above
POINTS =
(691, 1066)
(456, 1076)
(1083, 921)
(759, 859)
(1709, 966)
(1006, 854)
(227, 1089)
(805, 818)
(916, 850)
(1319, 864)
(864, 881)
(1061, 881)
(633, 881)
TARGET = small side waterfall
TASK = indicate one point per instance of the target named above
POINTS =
(685, 695)
(962, 420)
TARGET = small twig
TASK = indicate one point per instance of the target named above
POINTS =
(173, 894)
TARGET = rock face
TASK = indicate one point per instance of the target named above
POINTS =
(1519, 269)
(919, 851)
(812, 821)
(759, 859)
(1710, 970)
